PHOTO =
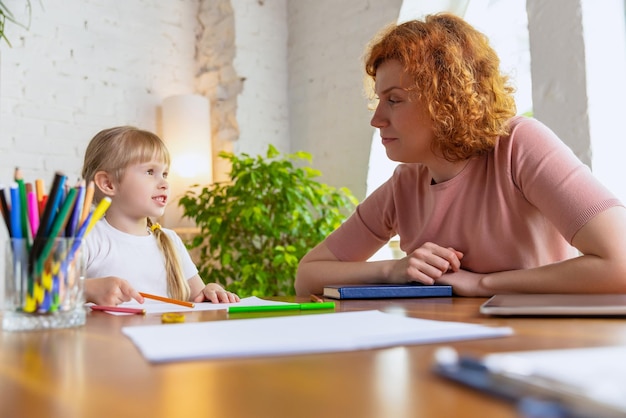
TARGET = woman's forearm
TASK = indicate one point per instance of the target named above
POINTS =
(314, 275)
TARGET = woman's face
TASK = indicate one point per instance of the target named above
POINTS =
(405, 125)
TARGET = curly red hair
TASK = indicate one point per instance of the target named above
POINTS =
(456, 74)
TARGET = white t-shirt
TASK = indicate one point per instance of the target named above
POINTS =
(111, 252)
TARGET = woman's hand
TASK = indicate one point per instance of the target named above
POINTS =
(215, 293)
(465, 283)
(426, 264)
(110, 291)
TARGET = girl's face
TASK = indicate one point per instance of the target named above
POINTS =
(143, 190)
(405, 126)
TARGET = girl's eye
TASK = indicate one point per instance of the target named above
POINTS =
(150, 171)
(165, 173)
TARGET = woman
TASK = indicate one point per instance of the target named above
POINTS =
(485, 201)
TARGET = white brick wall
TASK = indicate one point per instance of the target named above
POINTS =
(85, 65)
(328, 110)
(261, 58)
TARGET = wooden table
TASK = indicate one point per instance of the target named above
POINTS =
(95, 371)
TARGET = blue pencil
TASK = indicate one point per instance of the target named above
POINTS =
(16, 211)
(72, 224)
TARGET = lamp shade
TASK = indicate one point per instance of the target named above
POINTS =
(187, 134)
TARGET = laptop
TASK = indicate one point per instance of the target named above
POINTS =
(555, 305)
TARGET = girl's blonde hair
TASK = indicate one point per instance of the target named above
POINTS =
(113, 150)
(456, 75)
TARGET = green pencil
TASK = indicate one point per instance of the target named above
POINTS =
(290, 307)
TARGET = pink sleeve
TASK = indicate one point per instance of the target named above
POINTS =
(354, 240)
(554, 180)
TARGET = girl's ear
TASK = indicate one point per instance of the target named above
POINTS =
(104, 182)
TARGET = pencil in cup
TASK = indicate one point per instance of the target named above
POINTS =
(60, 269)
(46, 275)
(59, 286)
(63, 262)
(43, 272)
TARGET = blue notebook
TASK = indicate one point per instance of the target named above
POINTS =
(384, 291)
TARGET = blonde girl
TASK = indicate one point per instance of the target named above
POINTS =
(127, 252)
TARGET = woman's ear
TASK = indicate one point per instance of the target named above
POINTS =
(104, 183)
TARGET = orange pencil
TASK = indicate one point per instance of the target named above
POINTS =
(89, 191)
(41, 195)
(317, 299)
(168, 300)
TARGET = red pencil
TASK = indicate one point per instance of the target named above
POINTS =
(139, 311)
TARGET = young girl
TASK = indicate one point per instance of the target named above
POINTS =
(127, 252)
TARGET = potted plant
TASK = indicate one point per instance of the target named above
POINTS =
(255, 228)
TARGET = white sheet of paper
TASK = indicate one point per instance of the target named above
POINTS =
(297, 334)
(155, 306)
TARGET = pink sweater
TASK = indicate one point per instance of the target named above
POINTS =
(517, 207)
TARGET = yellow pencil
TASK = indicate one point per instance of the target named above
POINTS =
(98, 213)
(168, 300)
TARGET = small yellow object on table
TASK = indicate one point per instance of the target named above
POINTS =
(172, 318)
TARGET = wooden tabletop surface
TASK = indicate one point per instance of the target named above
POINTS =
(95, 371)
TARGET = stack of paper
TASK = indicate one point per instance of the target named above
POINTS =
(298, 334)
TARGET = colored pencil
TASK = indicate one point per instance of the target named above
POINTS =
(73, 222)
(168, 300)
(89, 192)
(6, 211)
(35, 282)
(47, 218)
(16, 211)
(287, 307)
(39, 188)
(33, 211)
(315, 298)
(118, 309)
(52, 205)
(58, 224)
(19, 179)
(98, 213)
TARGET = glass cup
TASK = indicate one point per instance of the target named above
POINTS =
(46, 291)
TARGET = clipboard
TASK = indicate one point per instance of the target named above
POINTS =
(555, 305)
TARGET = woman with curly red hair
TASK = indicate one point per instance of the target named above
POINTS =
(484, 200)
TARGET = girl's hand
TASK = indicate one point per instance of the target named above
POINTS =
(426, 264)
(110, 291)
(215, 293)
